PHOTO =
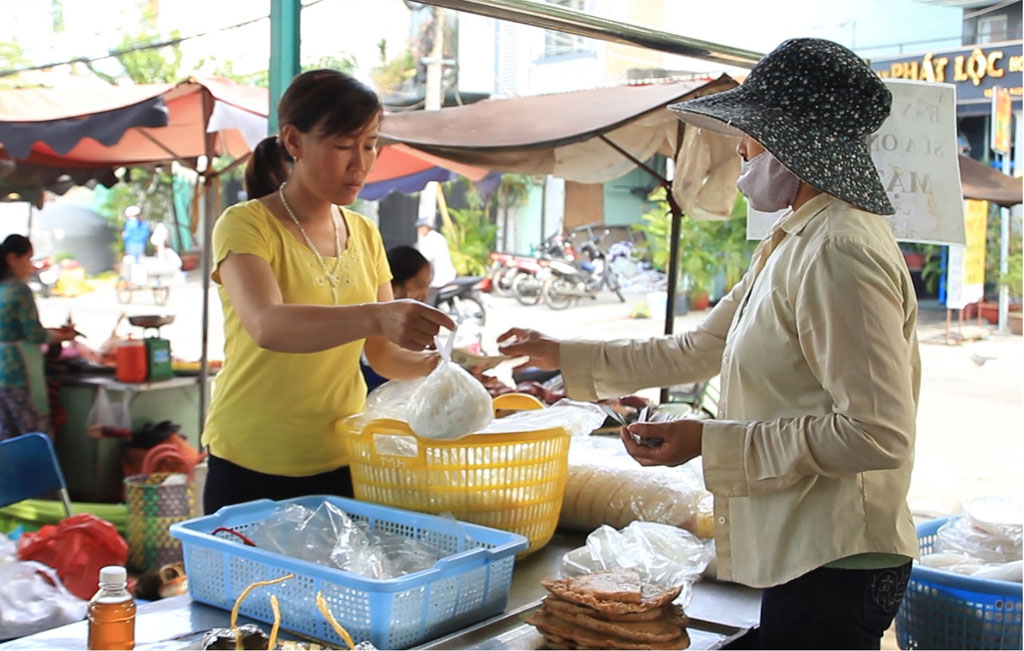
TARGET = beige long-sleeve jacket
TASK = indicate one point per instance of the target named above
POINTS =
(810, 460)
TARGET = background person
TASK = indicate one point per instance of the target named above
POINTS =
(410, 278)
(135, 234)
(305, 287)
(434, 247)
(24, 404)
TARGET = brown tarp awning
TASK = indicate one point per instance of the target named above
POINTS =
(988, 184)
(567, 135)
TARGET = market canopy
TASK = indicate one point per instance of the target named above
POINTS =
(987, 184)
(555, 134)
(114, 126)
(58, 136)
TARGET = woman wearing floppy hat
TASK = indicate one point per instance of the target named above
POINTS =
(810, 461)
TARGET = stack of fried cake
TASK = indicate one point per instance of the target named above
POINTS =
(610, 610)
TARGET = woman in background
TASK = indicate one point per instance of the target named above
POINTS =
(23, 399)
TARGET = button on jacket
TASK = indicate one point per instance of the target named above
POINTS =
(811, 458)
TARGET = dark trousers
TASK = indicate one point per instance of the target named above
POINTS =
(228, 483)
(832, 609)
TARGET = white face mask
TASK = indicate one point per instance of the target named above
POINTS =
(767, 184)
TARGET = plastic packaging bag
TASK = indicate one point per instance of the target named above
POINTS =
(960, 536)
(77, 547)
(449, 403)
(663, 555)
(607, 486)
(328, 536)
(33, 599)
(578, 418)
(106, 419)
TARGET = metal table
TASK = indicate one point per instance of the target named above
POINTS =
(174, 623)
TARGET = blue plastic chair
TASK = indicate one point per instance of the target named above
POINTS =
(29, 468)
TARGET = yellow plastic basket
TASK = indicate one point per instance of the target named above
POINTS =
(514, 482)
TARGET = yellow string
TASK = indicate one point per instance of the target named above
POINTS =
(241, 598)
(321, 604)
(274, 606)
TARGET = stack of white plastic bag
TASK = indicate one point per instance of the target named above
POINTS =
(984, 542)
(328, 536)
(664, 555)
(32, 597)
(607, 486)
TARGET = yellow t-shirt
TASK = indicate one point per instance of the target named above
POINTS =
(274, 412)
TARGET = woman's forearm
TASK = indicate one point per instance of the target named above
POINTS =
(396, 363)
(289, 328)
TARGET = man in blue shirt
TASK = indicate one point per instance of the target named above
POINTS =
(135, 233)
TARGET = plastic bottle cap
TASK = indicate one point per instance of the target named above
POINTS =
(113, 575)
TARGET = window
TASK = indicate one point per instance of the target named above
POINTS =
(992, 29)
(560, 43)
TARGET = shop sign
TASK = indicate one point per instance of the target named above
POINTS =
(916, 155)
(1002, 114)
(965, 279)
(976, 71)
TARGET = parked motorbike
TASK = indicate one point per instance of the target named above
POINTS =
(528, 273)
(460, 299)
(45, 276)
(501, 273)
(567, 283)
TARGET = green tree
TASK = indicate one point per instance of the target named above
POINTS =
(706, 247)
(149, 188)
(470, 240)
(12, 56)
(396, 74)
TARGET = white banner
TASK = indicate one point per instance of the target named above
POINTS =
(916, 155)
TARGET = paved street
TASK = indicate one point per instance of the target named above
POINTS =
(970, 421)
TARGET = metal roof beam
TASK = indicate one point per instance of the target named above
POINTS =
(567, 20)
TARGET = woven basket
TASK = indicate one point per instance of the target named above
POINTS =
(153, 506)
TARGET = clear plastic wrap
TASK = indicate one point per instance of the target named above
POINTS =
(960, 536)
(607, 486)
(328, 536)
(578, 418)
(663, 555)
(985, 542)
(449, 403)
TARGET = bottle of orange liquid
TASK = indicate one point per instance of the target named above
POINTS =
(112, 612)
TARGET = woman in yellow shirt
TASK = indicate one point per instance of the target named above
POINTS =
(305, 288)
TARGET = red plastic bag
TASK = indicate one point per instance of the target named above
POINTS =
(77, 547)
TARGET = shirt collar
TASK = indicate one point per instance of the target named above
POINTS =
(794, 222)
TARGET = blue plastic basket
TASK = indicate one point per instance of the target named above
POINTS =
(470, 585)
(946, 610)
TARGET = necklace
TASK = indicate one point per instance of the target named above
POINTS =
(330, 276)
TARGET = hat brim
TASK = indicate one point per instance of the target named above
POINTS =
(837, 165)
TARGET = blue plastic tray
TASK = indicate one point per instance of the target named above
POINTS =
(460, 590)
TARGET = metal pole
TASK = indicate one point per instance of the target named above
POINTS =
(209, 208)
(433, 99)
(1004, 258)
(570, 21)
(544, 209)
(284, 51)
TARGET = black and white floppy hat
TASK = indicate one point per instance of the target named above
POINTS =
(812, 103)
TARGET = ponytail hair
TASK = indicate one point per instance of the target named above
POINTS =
(326, 103)
(14, 244)
(268, 167)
